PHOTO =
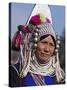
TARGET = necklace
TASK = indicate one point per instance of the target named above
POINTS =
(42, 69)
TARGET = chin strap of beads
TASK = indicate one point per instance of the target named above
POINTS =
(58, 68)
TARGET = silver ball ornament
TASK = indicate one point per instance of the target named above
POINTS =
(56, 50)
(58, 41)
(37, 30)
(35, 45)
(36, 34)
(35, 39)
(57, 46)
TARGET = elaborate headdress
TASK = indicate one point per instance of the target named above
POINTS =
(39, 24)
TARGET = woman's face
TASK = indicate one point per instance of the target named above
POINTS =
(45, 49)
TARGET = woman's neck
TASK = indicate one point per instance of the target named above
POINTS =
(40, 62)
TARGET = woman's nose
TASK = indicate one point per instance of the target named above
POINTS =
(46, 48)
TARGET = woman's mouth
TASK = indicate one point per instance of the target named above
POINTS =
(44, 54)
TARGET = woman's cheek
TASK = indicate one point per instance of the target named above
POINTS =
(40, 46)
(52, 50)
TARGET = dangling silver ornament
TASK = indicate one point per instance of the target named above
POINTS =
(36, 34)
(56, 33)
(58, 37)
(36, 30)
(57, 46)
(35, 45)
(58, 41)
(35, 39)
(56, 50)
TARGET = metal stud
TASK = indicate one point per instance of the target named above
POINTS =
(58, 41)
(36, 34)
(35, 39)
(57, 46)
(37, 30)
(58, 37)
(35, 45)
(56, 50)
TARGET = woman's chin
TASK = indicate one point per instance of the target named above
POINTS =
(43, 59)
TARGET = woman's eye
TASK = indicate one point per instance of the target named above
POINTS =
(51, 44)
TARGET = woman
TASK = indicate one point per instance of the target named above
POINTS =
(42, 66)
(39, 61)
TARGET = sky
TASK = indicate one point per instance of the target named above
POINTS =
(20, 13)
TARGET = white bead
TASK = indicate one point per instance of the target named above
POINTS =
(56, 50)
(36, 34)
(58, 41)
(57, 46)
(35, 45)
(56, 33)
(37, 30)
(58, 37)
(36, 39)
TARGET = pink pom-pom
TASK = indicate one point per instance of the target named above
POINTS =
(35, 20)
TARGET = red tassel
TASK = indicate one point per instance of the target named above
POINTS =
(16, 41)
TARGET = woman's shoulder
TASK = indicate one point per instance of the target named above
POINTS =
(14, 79)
